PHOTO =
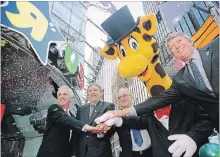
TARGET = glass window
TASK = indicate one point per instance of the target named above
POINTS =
(178, 28)
(60, 24)
(216, 3)
(80, 9)
(67, 5)
(62, 12)
(198, 16)
(189, 23)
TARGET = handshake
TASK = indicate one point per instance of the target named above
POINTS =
(105, 122)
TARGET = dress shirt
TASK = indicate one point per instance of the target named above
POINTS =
(198, 61)
(146, 141)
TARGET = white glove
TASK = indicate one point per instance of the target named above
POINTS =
(117, 121)
(104, 117)
(182, 144)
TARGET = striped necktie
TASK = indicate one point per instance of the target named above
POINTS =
(197, 76)
(92, 106)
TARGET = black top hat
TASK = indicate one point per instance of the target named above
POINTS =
(119, 24)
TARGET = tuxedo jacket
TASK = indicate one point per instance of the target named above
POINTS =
(184, 87)
(185, 118)
(88, 142)
(56, 139)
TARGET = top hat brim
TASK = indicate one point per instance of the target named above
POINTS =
(112, 42)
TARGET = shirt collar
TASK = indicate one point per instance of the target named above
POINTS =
(195, 55)
(94, 104)
(66, 110)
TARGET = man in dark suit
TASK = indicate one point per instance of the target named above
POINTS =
(60, 122)
(134, 143)
(186, 119)
(90, 144)
(197, 81)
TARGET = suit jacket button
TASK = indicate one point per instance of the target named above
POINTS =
(87, 135)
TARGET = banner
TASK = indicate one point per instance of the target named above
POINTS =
(32, 20)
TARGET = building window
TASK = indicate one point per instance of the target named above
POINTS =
(216, 4)
(189, 23)
(198, 16)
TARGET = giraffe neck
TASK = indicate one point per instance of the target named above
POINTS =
(159, 80)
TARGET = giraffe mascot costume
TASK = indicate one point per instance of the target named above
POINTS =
(138, 52)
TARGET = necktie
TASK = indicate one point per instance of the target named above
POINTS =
(91, 110)
(137, 137)
(197, 76)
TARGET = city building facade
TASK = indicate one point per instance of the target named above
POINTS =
(199, 24)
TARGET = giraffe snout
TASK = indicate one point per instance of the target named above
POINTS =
(132, 66)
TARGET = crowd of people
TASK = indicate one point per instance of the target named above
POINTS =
(140, 133)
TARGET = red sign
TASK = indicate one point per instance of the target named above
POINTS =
(2, 111)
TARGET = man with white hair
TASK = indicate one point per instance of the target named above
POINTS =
(57, 140)
(134, 142)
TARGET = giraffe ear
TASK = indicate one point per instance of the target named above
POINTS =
(110, 52)
(148, 24)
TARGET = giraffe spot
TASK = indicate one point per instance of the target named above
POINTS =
(147, 25)
(110, 51)
(160, 71)
(156, 89)
(137, 30)
(147, 37)
(154, 59)
(155, 47)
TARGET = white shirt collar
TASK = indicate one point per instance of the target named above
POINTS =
(195, 55)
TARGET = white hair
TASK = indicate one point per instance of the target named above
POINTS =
(69, 89)
(177, 34)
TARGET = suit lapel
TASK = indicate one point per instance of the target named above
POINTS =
(97, 109)
(72, 115)
(206, 61)
(86, 113)
(188, 77)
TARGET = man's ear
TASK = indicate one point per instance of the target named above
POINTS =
(148, 24)
(110, 52)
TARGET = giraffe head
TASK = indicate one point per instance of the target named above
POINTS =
(138, 51)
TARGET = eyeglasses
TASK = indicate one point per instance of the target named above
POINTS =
(123, 96)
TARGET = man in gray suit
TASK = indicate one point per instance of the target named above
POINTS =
(91, 144)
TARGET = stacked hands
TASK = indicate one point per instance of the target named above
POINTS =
(182, 142)
(105, 122)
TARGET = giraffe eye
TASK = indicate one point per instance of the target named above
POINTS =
(133, 43)
(122, 50)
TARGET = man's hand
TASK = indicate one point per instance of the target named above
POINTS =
(182, 144)
(93, 129)
(117, 121)
(104, 117)
(103, 127)
(116, 113)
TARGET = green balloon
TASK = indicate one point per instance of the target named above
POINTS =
(71, 59)
(209, 150)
